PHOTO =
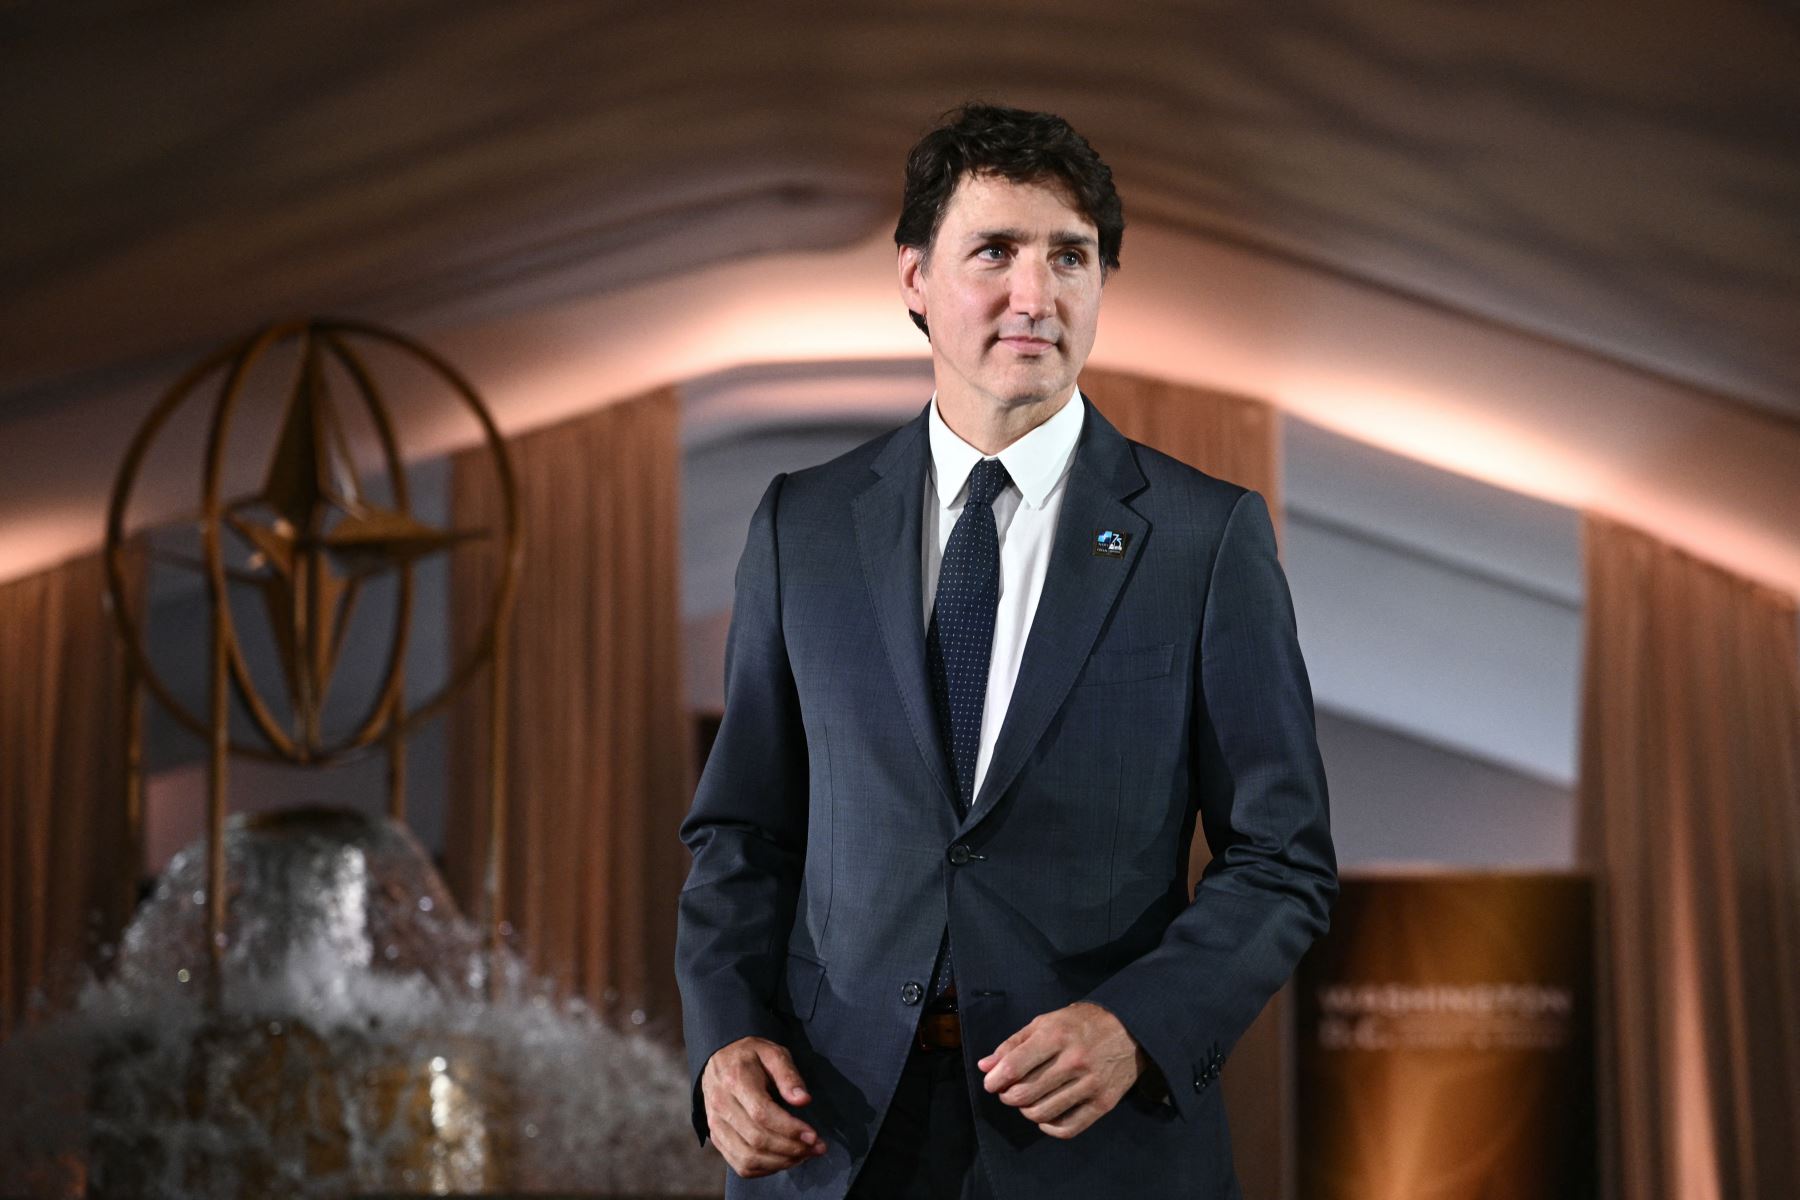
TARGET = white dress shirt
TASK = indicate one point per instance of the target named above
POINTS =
(1025, 516)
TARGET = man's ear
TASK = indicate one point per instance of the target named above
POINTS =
(912, 267)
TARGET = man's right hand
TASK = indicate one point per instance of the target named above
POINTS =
(755, 1135)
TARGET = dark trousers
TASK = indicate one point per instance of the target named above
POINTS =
(925, 1149)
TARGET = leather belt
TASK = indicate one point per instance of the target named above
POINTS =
(939, 1031)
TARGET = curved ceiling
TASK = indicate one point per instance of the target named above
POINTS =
(1547, 247)
(1620, 177)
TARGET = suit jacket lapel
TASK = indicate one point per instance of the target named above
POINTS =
(1080, 589)
(888, 520)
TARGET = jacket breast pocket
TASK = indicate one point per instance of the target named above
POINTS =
(1124, 666)
(798, 990)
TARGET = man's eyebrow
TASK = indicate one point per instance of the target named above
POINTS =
(1065, 238)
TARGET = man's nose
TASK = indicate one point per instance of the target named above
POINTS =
(1033, 288)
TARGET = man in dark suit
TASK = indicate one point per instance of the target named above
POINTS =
(985, 674)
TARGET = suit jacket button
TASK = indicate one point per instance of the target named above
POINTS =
(959, 854)
(911, 992)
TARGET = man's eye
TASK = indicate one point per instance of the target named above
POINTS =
(1001, 250)
(1071, 258)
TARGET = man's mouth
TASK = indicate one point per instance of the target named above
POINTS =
(1028, 345)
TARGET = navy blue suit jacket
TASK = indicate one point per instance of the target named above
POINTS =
(1159, 687)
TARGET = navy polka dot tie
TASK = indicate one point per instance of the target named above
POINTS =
(958, 643)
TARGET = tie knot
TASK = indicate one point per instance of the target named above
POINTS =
(986, 480)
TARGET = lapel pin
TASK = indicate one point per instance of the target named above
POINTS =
(1110, 543)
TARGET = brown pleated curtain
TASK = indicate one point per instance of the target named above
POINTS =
(66, 879)
(598, 738)
(1690, 820)
(1232, 437)
(1235, 438)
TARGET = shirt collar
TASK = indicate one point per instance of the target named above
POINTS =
(1035, 462)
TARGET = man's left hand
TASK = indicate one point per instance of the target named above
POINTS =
(1066, 1069)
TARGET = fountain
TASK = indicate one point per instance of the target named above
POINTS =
(363, 1047)
(299, 1009)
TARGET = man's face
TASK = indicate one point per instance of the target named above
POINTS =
(1011, 292)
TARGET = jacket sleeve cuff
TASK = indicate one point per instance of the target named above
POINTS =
(1186, 1074)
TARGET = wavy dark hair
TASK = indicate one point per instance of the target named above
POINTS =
(1025, 147)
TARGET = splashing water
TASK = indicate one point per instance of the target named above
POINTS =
(356, 1049)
